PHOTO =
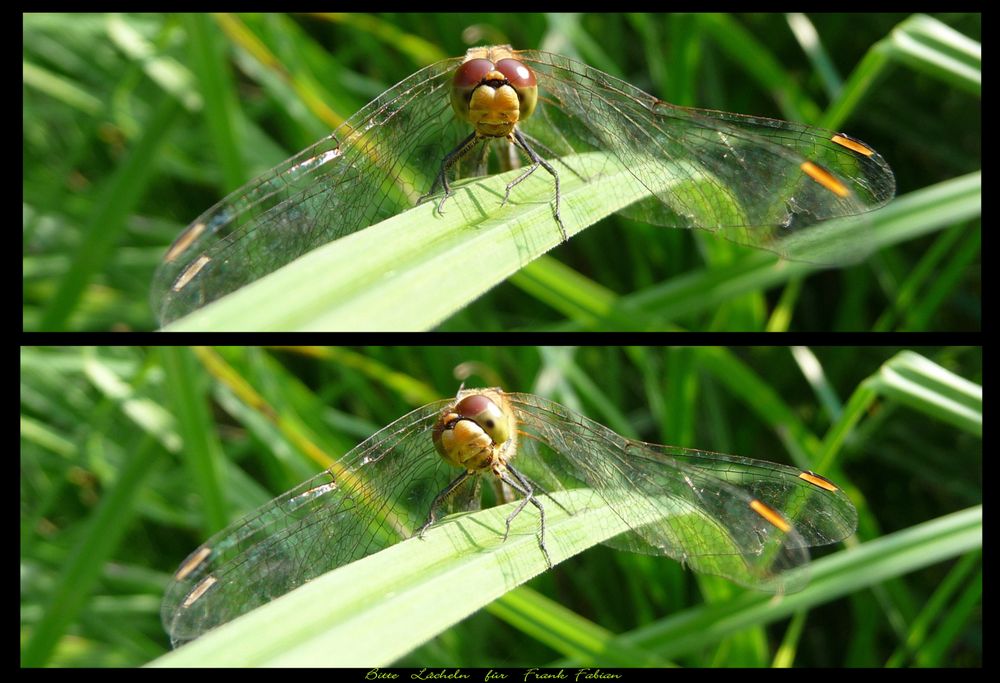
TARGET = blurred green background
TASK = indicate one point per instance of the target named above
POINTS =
(121, 153)
(132, 456)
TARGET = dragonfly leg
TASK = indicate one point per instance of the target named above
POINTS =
(535, 486)
(515, 181)
(549, 152)
(515, 513)
(450, 159)
(523, 486)
(537, 161)
(441, 497)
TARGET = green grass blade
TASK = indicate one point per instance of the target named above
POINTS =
(81, 570)
(120, 197)
(373, 611)
(924, 385)
(415, 269)
(905, 218)
(830, 577)
(568, 632)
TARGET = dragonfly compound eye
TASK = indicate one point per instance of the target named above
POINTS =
(487, 414)
(468, 77)
(522, 79)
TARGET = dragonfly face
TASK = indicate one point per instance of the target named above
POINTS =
(748, 520)
(493, 97)
(477, 433)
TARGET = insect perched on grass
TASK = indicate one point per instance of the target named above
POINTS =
(747, 520)
(753, 180)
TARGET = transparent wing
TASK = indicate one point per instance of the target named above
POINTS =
(819, 511)
(746, 520)
(753, 180)
(374, 497)
(378, 162)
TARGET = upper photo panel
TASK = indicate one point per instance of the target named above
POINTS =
(512, 172)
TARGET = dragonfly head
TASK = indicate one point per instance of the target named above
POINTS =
(493, 97)
(476, 431)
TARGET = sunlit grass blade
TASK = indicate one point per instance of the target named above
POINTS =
(375, 610)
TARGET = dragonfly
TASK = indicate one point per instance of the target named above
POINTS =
(747, 520)
(753, 180)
